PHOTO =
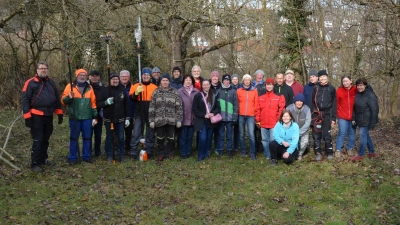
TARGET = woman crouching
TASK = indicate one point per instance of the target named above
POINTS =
(286, 139)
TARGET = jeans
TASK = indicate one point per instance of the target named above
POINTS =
(204, 145)
(225, 127)
(247, 121)
(76, 127)
(365, 141)
(267, 137)
(97, 132)
(119, 134)
(42, 128)
(345, 128)
(128, 136)
(186, 140)
(137, 134)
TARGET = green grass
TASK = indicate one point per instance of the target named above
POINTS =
(216, 191)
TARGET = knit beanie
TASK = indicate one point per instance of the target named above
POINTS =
(114, 75)
(165, 75)
(77, 72)
(313, 73)
(146, 71)
(226, 77)
(247, 76)
(322, 73)
(299, 97)
(234, 75)
(214, 73)
(177, 68)
(259, 71)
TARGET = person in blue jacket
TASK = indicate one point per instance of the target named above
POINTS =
(286, 139)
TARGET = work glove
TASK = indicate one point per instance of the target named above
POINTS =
(152, 125)
(258, 125)
(71, 94)
(353, 123)
(178, 124)
(110, 101)
(138, 90)
(28, 122)
(60, 118)
(94, 122)
(127, 123)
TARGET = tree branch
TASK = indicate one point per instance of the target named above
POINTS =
(16, 11)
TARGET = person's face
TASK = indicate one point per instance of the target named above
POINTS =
(289, 77)
(259, 77)
(226, 82)
(196, 72)
(323, 79)
(361, 87)
(279, 79)
(114, 81)
(299, 104)
(146, 77)
(314, 79)
(94, 78)
(176, 73)
(82, 77)
(206, 86)
(156, 75)
(187, 82)
(246, 81)
(235, 81)
(346, 82)
(164, 83)
(42, 71)
(214, 79)
(286, 118)
(124, 77)
(269, 87)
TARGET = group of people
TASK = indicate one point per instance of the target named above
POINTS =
(275, 113)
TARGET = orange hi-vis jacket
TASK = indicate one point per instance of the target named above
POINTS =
(83, 105)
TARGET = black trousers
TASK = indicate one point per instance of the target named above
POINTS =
(128, 136)
(324, 135)
(165, 134)
(278, 150)
(42, 128)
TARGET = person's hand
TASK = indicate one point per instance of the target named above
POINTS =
(71, 94)
(178, 124)
(286, 144)
(353, 123)
(211, 115)
(138, 90)
(60, 118)
(207, 116)
(110, 101)
(152, 125)
(286, 155)
(29, 122)
(333, 122)
(127, 123)
(258, 125)
(94, 122)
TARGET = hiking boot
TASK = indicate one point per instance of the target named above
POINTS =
(243, 154)
(338, 154)
(330, 157)
(37, 168)
(300, 158)
(357, 158)
(72, 163)
(160, 158)
(318, 157)
(230, 154)
(372, 155)
(171, 157)
(273, 162)
(350, 152)
(134, 157)
(49, 163)
(253, 157)
(88, 160)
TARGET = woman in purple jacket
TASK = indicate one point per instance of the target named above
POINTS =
(187, 93)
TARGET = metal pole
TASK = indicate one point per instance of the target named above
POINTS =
(138, 36)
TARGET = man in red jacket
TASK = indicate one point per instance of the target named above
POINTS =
(291, 82)
(269, 108)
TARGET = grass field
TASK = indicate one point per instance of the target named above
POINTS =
(216, 191)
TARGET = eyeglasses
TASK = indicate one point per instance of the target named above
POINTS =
(42, 68)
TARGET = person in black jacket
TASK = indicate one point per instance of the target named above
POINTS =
(281, 88)
(323, 104)
(40, 99)
(116, 116)
(99, 92)
(365, 116)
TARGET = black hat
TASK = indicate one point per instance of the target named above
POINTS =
(176, 68)
(322, 73)
(94, 72)
(114, 75)
(226, 77)
(165, 75)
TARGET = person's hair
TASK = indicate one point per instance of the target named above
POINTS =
(210, 92)
(283, 113)
(196, 66)
(42, 63)
(344, 77)
(362, 81)
(124, 71)
(188, 76)
(279, 73)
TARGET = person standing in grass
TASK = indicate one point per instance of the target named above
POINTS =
(229, 112)
(286, 139)
(187, 93)
(40, 100)
(302, 116)
(176, 80)
(165, 112)
(198, 80)
(205, 105)
(235, 85)
(269, 108)
(365, 116)
(345, 96)
(247, 99)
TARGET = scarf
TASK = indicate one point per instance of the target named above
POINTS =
(189, 89)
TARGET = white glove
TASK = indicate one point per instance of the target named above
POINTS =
(94, 122)
(110, 101)
(127, 123)
(353, 123)
(178, 124)
(152, 125)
